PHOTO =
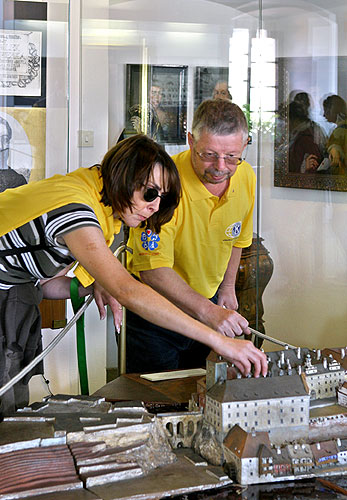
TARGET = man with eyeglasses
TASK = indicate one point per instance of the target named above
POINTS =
(194, 260)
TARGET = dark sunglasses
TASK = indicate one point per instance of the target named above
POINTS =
(151, 194)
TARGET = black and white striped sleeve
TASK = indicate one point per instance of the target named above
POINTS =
(68, 218)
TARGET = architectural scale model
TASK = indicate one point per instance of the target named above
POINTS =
(289, 425)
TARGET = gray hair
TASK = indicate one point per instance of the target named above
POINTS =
(219, 117)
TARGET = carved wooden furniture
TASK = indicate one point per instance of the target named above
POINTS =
(255, 271)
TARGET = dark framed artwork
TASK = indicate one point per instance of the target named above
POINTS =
(311, 124)
(23, 93)
(23, 54)
(206, 80)
(162, 114)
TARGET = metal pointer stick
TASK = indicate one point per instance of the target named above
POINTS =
(271, 339)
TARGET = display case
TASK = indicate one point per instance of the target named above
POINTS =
(87, 63)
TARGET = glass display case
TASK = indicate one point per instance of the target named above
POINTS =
(271, 54)
(95, 68)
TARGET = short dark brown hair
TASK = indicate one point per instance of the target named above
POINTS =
(219, 117)
(127, 167)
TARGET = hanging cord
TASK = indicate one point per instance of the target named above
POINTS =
(47, 385)
(78, 302)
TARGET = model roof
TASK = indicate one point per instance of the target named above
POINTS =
(258, 388)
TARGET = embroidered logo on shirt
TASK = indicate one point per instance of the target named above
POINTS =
(234, 230)
(149, 240)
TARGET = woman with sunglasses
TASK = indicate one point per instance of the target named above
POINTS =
(47, 225)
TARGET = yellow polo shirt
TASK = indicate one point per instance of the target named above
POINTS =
(23, 204)
(198, 241)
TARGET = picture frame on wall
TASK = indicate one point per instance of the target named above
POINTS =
(162, 113)
(208, 81)
(310, 146)
(23, 94)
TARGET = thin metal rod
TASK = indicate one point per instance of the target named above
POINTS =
(48, 349)
(122, 344)
(271, 339)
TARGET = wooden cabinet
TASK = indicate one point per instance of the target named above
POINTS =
(53, 313)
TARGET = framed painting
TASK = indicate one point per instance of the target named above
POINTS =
(311, 124)
(156, 102)
(210, 82)
(23, 54)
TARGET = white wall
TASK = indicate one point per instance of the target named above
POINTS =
(305, 230)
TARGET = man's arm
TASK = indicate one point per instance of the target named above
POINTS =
(89, 248)
(226, 294)
(169, 284)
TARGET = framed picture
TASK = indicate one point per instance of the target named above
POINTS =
(209, 82)
(23, 55)
(22, 158)
(162, 113)
(311, 124)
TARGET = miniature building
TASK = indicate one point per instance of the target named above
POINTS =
(216, 369)
(323, 374)
(342, 394)
(341, 451)
(264, 404)
(324, 453)
(281, 462)
(241, 450)
(180, 428)
(301, 458)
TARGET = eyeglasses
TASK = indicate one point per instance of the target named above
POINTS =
(151, 194)
(213, 158)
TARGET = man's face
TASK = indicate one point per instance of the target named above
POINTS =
(221, 91)
(155, 95)
(216, 170)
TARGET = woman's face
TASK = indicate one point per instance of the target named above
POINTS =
(141, 209)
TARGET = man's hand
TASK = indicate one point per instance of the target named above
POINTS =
(243, 354)
(227, 297)
(226, 321)
(102, 299)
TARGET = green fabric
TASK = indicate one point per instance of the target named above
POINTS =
(77, 302)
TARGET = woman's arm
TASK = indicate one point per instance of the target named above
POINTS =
(88, 247)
